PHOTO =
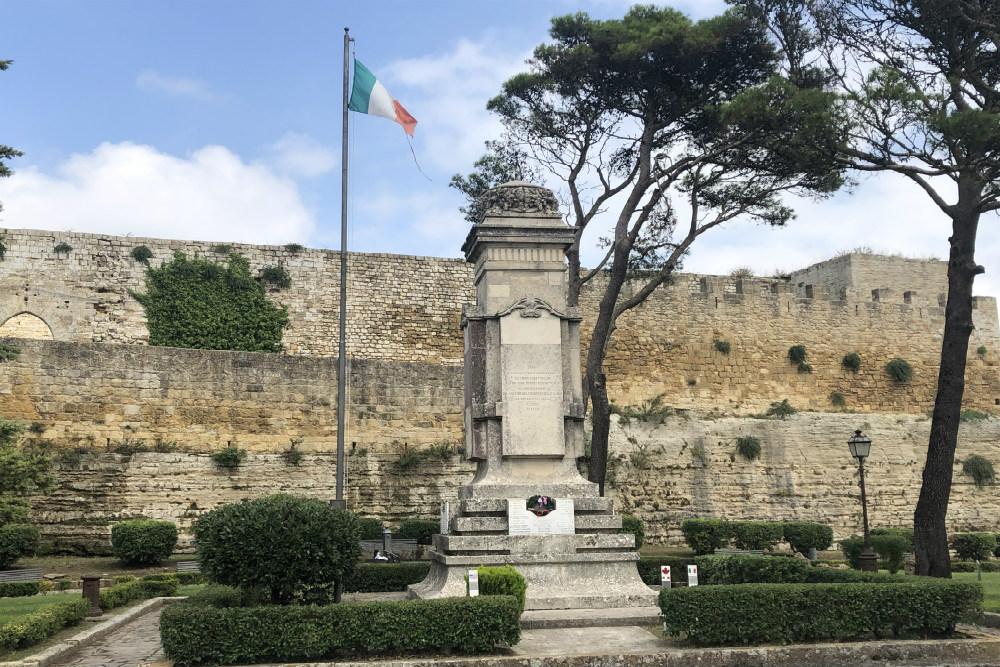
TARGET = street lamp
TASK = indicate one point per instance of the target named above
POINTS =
(860, 449)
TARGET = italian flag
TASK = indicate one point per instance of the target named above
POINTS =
(369, 96)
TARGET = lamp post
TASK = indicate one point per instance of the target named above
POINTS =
(860, 449)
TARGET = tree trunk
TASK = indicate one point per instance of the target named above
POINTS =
(930, 534)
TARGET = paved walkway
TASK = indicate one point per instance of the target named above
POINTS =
(135, 643)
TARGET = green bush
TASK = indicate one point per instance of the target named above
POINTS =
(637, 527)
(781, 410)
(385, 577)
(123, 579)
(722, 569)
(899, 370)
(996, 552)
(906, 534)
(503, 580)
(229, 457)
(142, 253)
(890, 548)
(974, 546)
(17, 542)
(705, 535)
(142, 542)
(19, 589)
(797, 354)
(722, 346)
(419, 530)
(754, 535)
(369, 529)
(194, 633)
(837, 399)
(748, 447)
(45, 621)
(794, 613)
(851, 362)
(277, 276)
(979, 469)
(803, 535)
(829, 575)
(984, 566)
(649, 568)
(150, 586)
(279, 544)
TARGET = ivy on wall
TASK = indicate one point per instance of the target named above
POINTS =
(198, 303)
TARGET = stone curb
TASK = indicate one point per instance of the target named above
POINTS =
(61, 652)
(982, 651)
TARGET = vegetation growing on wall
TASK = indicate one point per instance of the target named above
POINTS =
(837, 399)
(899, 370)
(851, 362)
(797, 355)
(142, 253)
(781, 410)
(748, 447)
(62, 248)
(979, 469)
(722, 346)
(9, 352)
(198, 303)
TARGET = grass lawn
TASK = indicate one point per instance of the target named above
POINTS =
(11, 608)
(991, 588)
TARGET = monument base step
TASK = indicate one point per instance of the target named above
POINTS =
(590, 618)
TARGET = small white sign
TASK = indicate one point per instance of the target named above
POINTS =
(692, 575)
(473, 583)
(665, 576)
(445, 516)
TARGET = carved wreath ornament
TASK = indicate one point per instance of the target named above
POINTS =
(517, 198)
(530, 306)
(540, 505)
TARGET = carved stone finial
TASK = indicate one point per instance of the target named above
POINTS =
(517, 198)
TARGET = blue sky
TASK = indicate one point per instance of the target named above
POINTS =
(221, 121)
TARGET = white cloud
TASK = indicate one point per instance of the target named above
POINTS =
(133, 189)
(447, 94)
(301, 155)
(173, 86)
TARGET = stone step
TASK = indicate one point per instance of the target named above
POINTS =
(590, 618)
(498, 524)
(551, 544)
(498, 506)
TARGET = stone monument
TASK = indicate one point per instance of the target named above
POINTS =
(527, 505)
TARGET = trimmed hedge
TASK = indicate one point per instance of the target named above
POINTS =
(369, 529)
(503, 580)
(790, 613)
(17, 541)
(194, 633)
(19, 589)
(804, 535)
(965, 566)
(385, 577)
(726, 569)
(419, 530)
(890, 547)
(636, 526)
(150, 586)
(143, 542)
(706, 535)
(754, 535)
(45, 621)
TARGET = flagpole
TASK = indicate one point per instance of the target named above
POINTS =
(342, 350)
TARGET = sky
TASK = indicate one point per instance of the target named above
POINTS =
(220, 120)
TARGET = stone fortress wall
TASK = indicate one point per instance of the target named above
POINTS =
(95, 384)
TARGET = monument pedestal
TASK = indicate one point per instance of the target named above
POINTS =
(524, 425)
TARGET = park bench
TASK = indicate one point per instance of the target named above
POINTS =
(22, 574)
(741, 552)
(188, 566)
(397, 546)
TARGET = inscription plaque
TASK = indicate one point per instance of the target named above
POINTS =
(532, 385)
(521, 521)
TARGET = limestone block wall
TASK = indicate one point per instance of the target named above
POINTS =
(682, 469)
(97, 395)
(408, 309)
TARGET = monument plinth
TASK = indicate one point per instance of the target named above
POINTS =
(527, 505)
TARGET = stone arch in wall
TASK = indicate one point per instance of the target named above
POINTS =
(26, 325)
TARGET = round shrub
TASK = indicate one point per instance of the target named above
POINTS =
(143, 542)
(142, 253)
(851, 362)
(17, 542)
(755, 535)
(636, 526)
(280, 545)
(705, 535)
(974, 546)
(797, 354)
(419, 530)
(369, 529)
(805, 535)
(899, 370)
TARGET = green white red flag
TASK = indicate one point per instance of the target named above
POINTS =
(369, 96)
